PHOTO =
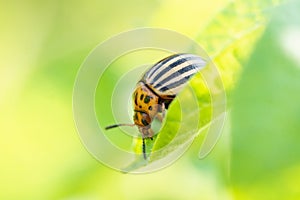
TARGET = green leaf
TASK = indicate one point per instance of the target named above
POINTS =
(186, 115)
(231, 35)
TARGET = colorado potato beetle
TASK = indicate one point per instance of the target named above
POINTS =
(158, 87)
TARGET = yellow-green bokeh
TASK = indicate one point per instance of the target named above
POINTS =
(43, 44)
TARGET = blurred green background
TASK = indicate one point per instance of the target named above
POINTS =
(255, 46)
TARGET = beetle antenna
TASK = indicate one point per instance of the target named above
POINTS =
(144, 149)
(117, 125)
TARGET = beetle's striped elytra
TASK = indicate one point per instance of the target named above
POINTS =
(158, 87)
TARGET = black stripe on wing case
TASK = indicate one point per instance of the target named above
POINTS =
(181, 59)
(176, 75)
(166, 69)
(160, 63)
(176, 83)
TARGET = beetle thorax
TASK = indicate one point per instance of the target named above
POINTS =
(146, 105)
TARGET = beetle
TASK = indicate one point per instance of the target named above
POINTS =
(158, 87)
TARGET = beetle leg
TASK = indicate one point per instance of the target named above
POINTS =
(144, 149)
(163, 110)
(150, 133)
(159, 117)
(146, 133)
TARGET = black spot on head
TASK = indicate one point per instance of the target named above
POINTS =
(135, 116)
(140, 106)
(141, 97)
(145, 123)
(147, 99)
(135, 99)
(150, 107)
